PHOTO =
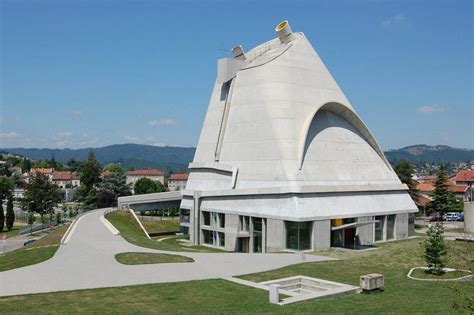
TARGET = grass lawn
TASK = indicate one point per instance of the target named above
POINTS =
(131, 231)
(37, 252)
(423, 274)
(401, 295)
(161, 226)
(150, 258)
(13, 232)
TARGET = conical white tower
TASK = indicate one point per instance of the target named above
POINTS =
(281, 142)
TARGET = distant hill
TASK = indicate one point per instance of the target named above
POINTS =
(177, 158)
(128, 155)
(423, 153)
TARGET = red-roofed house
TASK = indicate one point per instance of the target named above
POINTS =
(46, 171)
(465, 177)
(462, 192)
(156, 175)
(63, 178)
(177, 181)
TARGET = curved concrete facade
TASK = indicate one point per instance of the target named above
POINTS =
(281, 141)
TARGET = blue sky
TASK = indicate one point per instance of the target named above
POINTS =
(93, 73)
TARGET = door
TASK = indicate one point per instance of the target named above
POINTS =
(349, 235)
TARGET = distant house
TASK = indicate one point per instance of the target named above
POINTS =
(156, 175)
(462, 192)
(177, 181)
(465, 177)
(422, 202)
(65, 178)
(46, 171)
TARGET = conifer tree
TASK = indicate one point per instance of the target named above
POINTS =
(435, 249)
(10, 219)
(444, 200)
(2, 216)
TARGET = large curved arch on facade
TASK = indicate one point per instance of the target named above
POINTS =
(346, 113)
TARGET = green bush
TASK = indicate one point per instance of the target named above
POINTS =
(435, 250)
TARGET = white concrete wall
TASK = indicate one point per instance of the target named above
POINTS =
(276, 235)
(321, 234)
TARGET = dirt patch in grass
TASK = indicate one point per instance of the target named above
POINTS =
(150, 258)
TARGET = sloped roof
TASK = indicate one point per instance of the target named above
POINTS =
(465, 176)
(425, 187)
(179, 176)
(43, 170)
(146, 172)
(62, 175)
(423, 201)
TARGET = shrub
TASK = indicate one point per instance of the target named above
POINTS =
(435, 249)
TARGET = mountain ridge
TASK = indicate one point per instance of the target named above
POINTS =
(173, 159)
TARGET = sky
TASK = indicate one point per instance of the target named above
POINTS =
(80, 74)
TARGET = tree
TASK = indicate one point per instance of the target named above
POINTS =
(31, 219)
(10, 219)
(90, 172)
(161, 187)
(52, 162)
(112, 187)
(115, 168)
(40, 194)
(145, 186)
(4, 171)
(74, 165)
(25, 165)
(405, 171)
(2, 215)
(435, 250)
(6, 187)
(444, 200)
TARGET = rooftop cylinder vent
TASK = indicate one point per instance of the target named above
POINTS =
(284, 32)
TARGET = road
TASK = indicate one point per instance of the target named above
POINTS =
(87, 261)
(15, 242)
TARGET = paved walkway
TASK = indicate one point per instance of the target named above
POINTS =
(87, 261)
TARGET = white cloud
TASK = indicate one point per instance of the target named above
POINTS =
(398, 19)
(429, 109)
(9, 134)
(132, 138)
(77, 113)
(162, 122)
(64, 134)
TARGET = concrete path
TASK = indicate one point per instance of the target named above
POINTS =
(87, 261)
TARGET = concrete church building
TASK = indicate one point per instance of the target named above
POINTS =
(285, 163)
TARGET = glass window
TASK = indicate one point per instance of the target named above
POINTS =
(379, 228)
(207, 218)
(207, 236)
(257, 224)
(222, 220)
(243, 223)
(337, 239)
(391, 227)
(221, 239)
(298, 235)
